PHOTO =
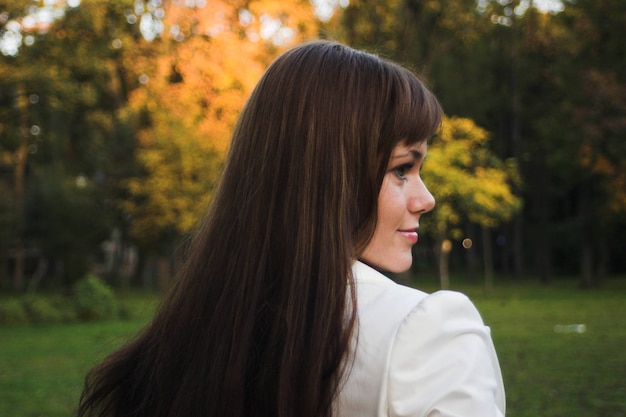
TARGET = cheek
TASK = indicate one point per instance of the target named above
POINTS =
(391, 206)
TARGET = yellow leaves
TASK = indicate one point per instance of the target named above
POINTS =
(467, 179)
(181, 173)
(493, 200)
(459, 128)
(294, 13)
(197, 85)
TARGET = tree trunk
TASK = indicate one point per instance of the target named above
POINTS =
(586, 264)
(164, 274)
(516, 136)
(588, 229)
(470, 252)
(40, 273)
(443, 252)
(603, 260)
(488, 259)
(518, 246)
(543, 241)
(20, 172)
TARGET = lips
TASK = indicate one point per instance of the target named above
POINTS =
(410, 234)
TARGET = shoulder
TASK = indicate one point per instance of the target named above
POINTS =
(404, 304)
(373, 288)
(382, 306)
(445, 311)
(432, 352)
(443, 361)
(442, 311)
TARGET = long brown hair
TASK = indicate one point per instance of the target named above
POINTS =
(261, 317)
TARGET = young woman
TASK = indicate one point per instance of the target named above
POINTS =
(279, 309)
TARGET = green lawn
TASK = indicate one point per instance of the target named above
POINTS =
(42, 366)
(546, 373)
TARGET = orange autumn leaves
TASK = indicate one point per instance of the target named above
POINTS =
(198, 78)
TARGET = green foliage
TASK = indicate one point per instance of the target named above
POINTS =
(69, 211)
(94, 299)
(91, 86)
(91, 300)
(74, 82)
(171, 198)
(42, 309)
(12, 311)
(36, 309)
(549, 88)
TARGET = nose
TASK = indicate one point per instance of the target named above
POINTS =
(420, 199)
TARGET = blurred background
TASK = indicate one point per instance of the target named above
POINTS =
(115, 117)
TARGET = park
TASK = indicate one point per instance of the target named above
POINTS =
(546, 371)
(115, 121)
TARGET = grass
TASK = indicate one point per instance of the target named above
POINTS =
(546, 373)
(550, 373)
(42, 366)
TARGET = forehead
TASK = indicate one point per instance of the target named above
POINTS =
(416, 149)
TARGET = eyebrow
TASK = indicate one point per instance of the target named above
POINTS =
(412, 152)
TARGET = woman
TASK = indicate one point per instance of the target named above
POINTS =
(272, 314)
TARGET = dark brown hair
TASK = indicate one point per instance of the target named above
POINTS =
(261, 317)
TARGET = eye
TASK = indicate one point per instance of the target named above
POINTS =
(401, 170)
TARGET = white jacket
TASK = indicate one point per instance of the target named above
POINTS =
(419, 355)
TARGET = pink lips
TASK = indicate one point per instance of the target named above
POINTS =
(409, 234)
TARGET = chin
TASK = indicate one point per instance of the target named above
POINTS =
(399, 266)
(400, 269)
(390, 264)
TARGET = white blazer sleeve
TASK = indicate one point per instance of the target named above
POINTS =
(443, 363)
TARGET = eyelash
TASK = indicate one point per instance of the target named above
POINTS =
(400, 171)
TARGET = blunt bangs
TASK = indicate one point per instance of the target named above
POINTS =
(415, 113)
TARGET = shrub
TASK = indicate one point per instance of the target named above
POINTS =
(126, 311)
(12, 312)
(65, 306)
(94, 300)
(42, 309)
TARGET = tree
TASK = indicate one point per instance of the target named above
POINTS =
(469, 183)
(105, 84)
(548, 85)
(206, 62)
(597, 109)
(65, 82)
(14, 75)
